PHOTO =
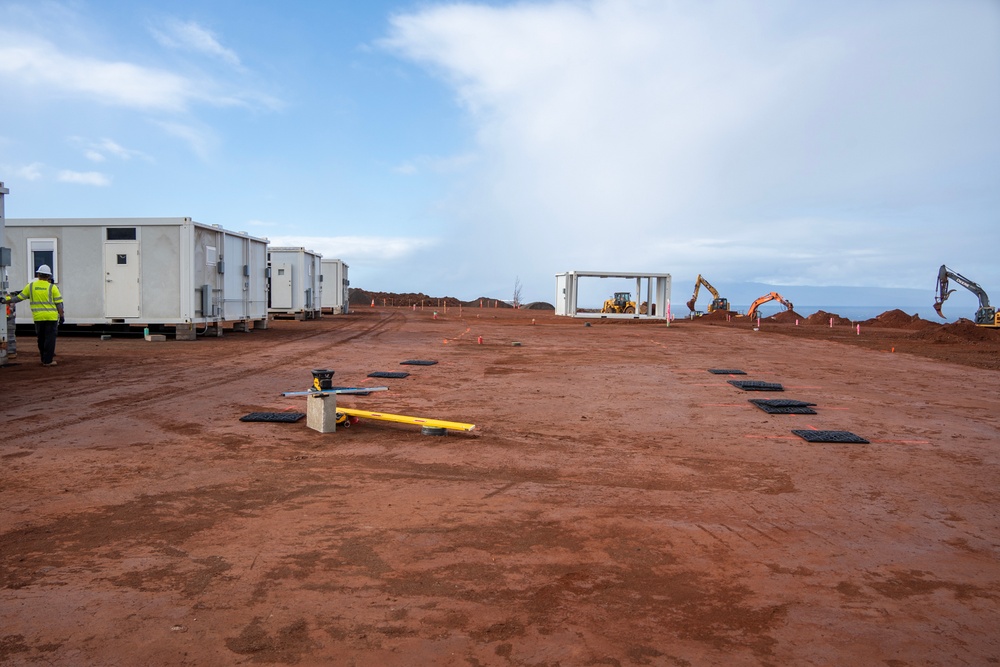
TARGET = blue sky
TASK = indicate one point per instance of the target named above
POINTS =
(452, 148)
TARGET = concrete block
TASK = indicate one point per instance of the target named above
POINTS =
(185, 332)
(321, 413)
(156, 338)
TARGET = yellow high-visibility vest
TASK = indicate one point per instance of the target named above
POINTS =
(44, 296)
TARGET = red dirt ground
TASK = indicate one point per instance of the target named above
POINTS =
(616, 505)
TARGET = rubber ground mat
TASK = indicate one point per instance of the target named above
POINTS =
(387, 374)
(771, 409)
(726, 371)
(756, 385)
(273, 417)
(829, 436)
(782, 402)
(417, 362)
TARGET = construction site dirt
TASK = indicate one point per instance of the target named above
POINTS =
(616, 504)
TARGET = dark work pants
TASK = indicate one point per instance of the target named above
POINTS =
(46, 332)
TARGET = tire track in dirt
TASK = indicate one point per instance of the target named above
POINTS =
(160, 394)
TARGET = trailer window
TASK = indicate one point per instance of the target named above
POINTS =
(120, 234)
(43, 251)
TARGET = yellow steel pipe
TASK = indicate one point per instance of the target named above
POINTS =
(403, 419)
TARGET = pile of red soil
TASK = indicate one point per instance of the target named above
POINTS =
(962, 331)
(822, 317)
(784, 317)
(897, 319)
(718, 315)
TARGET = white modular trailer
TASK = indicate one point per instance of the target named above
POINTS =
(145, 271)
(656, 294)
(4, 286)
(335, 286)
(295, 286)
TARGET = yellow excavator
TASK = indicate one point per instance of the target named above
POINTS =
(718, 302)
(621, 303)
(986, 316)
(761, 300)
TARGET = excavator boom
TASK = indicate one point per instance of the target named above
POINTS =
(985, 316)
(718, 302)
(773, 296)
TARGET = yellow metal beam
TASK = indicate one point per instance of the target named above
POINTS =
(403, 419)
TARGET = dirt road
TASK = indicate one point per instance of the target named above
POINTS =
(617, 504)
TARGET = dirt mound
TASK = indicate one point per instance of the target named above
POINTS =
(961, 331)
(784, 317)
(893, 319)
(719, 315)
(539, 305)
(823, 317)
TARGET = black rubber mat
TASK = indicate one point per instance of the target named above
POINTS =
(829, 436)
(784, 409)
(387, 374)
(782, 402)
(273, 417)
(726, 371)
(756, 385)
(417, 362)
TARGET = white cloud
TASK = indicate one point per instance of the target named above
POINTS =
(201, 140)
(100, 150)
(765, 139)
(359, 250)
(95, 178)
(189, 35)
(38, 63)
(29, 172)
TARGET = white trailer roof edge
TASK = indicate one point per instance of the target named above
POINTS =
(124, 222)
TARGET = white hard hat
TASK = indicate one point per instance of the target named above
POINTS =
(44, 270)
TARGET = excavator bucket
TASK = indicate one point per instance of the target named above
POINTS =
(937, 308)
(690, 304)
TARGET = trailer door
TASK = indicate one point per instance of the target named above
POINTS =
(121, 279)
(281, 285)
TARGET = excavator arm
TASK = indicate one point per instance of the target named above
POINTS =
(718, 303)
(944, 273)
(773, 296)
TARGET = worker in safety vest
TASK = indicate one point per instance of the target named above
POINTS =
(46, 310)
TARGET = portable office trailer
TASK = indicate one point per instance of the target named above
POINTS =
(296, 290)
(146, 271)
(335, 286)
(5, 256)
